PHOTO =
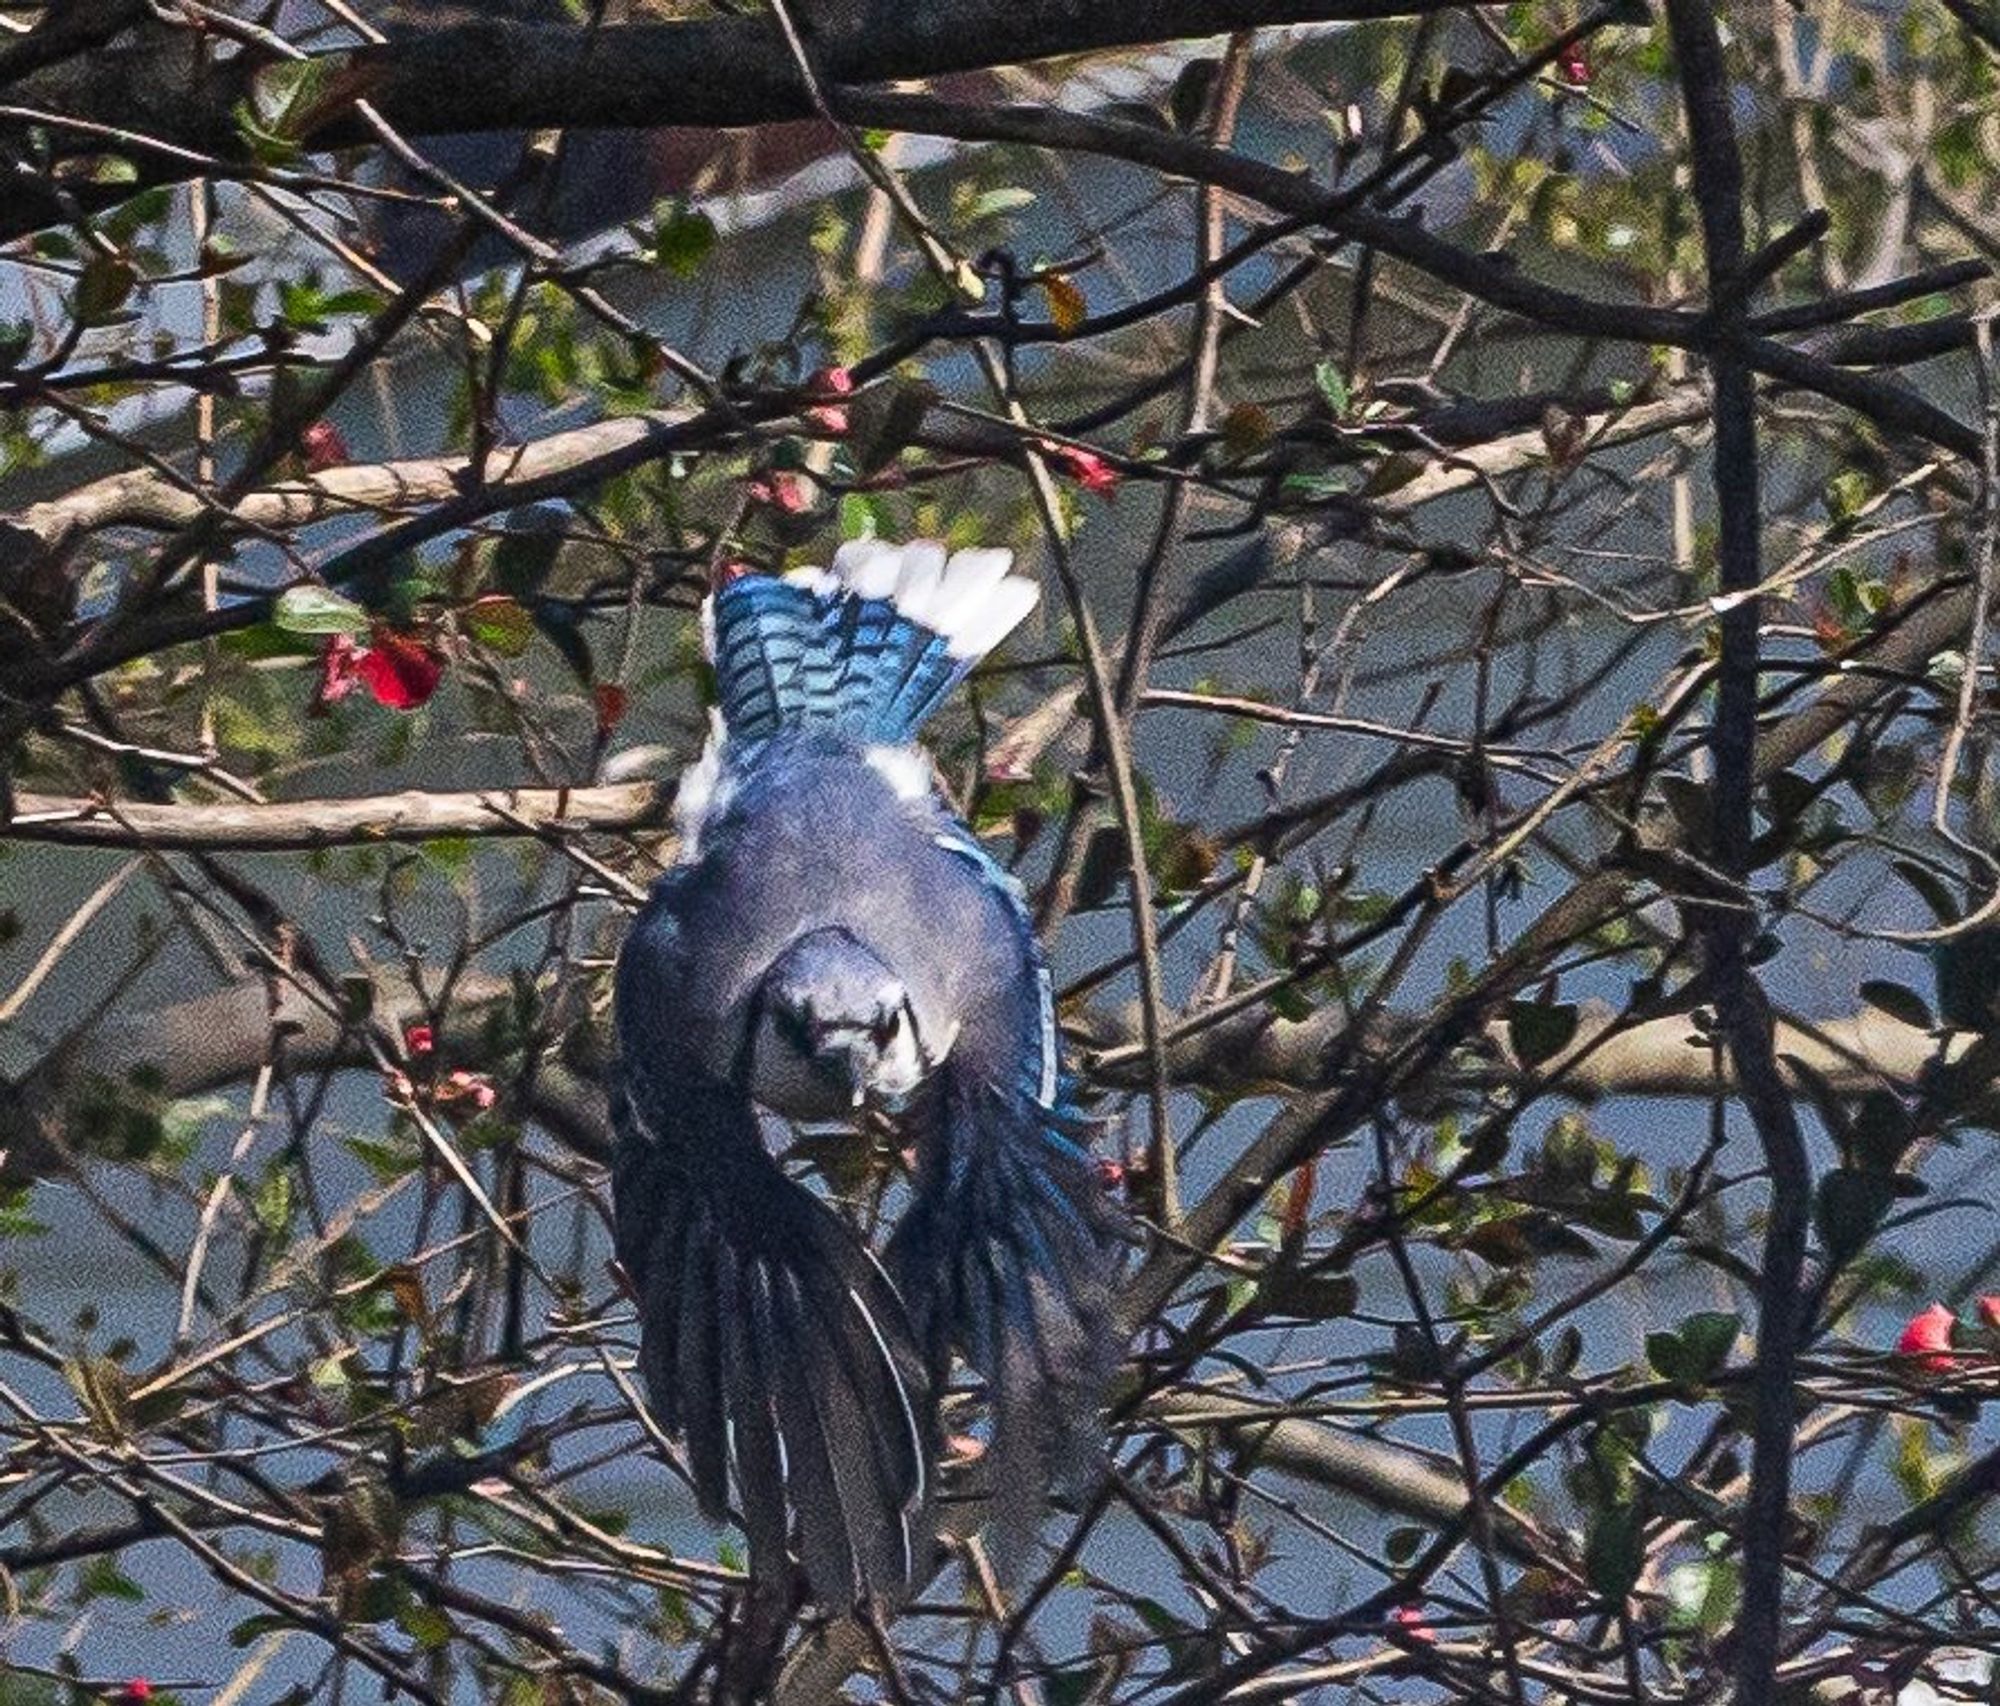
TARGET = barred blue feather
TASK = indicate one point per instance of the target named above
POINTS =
(791, 655)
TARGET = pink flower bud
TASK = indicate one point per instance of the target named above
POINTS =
(1927, 1340)
(1086, 468)
(1408, 1624)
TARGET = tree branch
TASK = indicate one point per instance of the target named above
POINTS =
(278, 826)
(1728, 933)
(166, 102)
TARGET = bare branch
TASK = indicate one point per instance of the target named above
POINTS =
(279, 826)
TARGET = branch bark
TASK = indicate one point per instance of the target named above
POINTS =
(1728, 933)
(300, 825)
(163, 101)
(221, 1038)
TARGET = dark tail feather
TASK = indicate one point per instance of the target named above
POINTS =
(774, 1344)
(1014, 1243)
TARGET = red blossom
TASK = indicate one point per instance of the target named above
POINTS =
(610, 700)
(1111, 1174)
(467, 1088)
(1575, 67)
(137, 1691)
(1086, 468)
(419, 1039)
(782, 491)
(1989, 1311)
(1410, 1624)
(829, 382)
(1927, 1340)
(401, 670)
(337, 675)
(323, 447)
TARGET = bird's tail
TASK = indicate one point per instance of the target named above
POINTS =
(774, 1344)
(869, 648)
(1015, 1252)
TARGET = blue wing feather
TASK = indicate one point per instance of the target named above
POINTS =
(790, 655)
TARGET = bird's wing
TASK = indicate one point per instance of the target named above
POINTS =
(1010, 1248)
(771, 1339)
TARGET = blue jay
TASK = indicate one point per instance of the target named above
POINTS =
(834, 941)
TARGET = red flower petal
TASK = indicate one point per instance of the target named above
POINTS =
(338, 676)
(400, 670)
(829, 382)
(1086, 468)
(1927, 1340)
(324, 447)
(1410, 1625)
(1989, 1311)
(419, 1039)
(784, 492)
(136, 1691)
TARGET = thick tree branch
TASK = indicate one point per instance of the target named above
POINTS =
(144, 498)
(169, 102)
(300, 825)
(223, 1038)
(1728, 933)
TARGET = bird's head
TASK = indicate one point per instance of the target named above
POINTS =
(835, 1030)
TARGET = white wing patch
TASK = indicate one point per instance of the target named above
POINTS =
(1046, 992)
(704, 791)
(907, 769)
(968, 599)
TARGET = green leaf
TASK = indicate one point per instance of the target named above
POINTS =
(313, 609)
(1333, 387)
(1615, 1552)
(1189, 99)
(527, 551)
(1967, 970)
(1931, 889)
(273, 1203)
(266, 640)
(1309, 1296)
(1696, 1354)
(1880, 1132)
(426, 1625)
(1539, 1031)
(499, 623)
(860, 517)
(996, 202)
(1846, 493)
(103, 287)
(1847, 1208)
(682, 237)
(1898, 1001)
(263, 1623)
(101, 1578)
(884, 418)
